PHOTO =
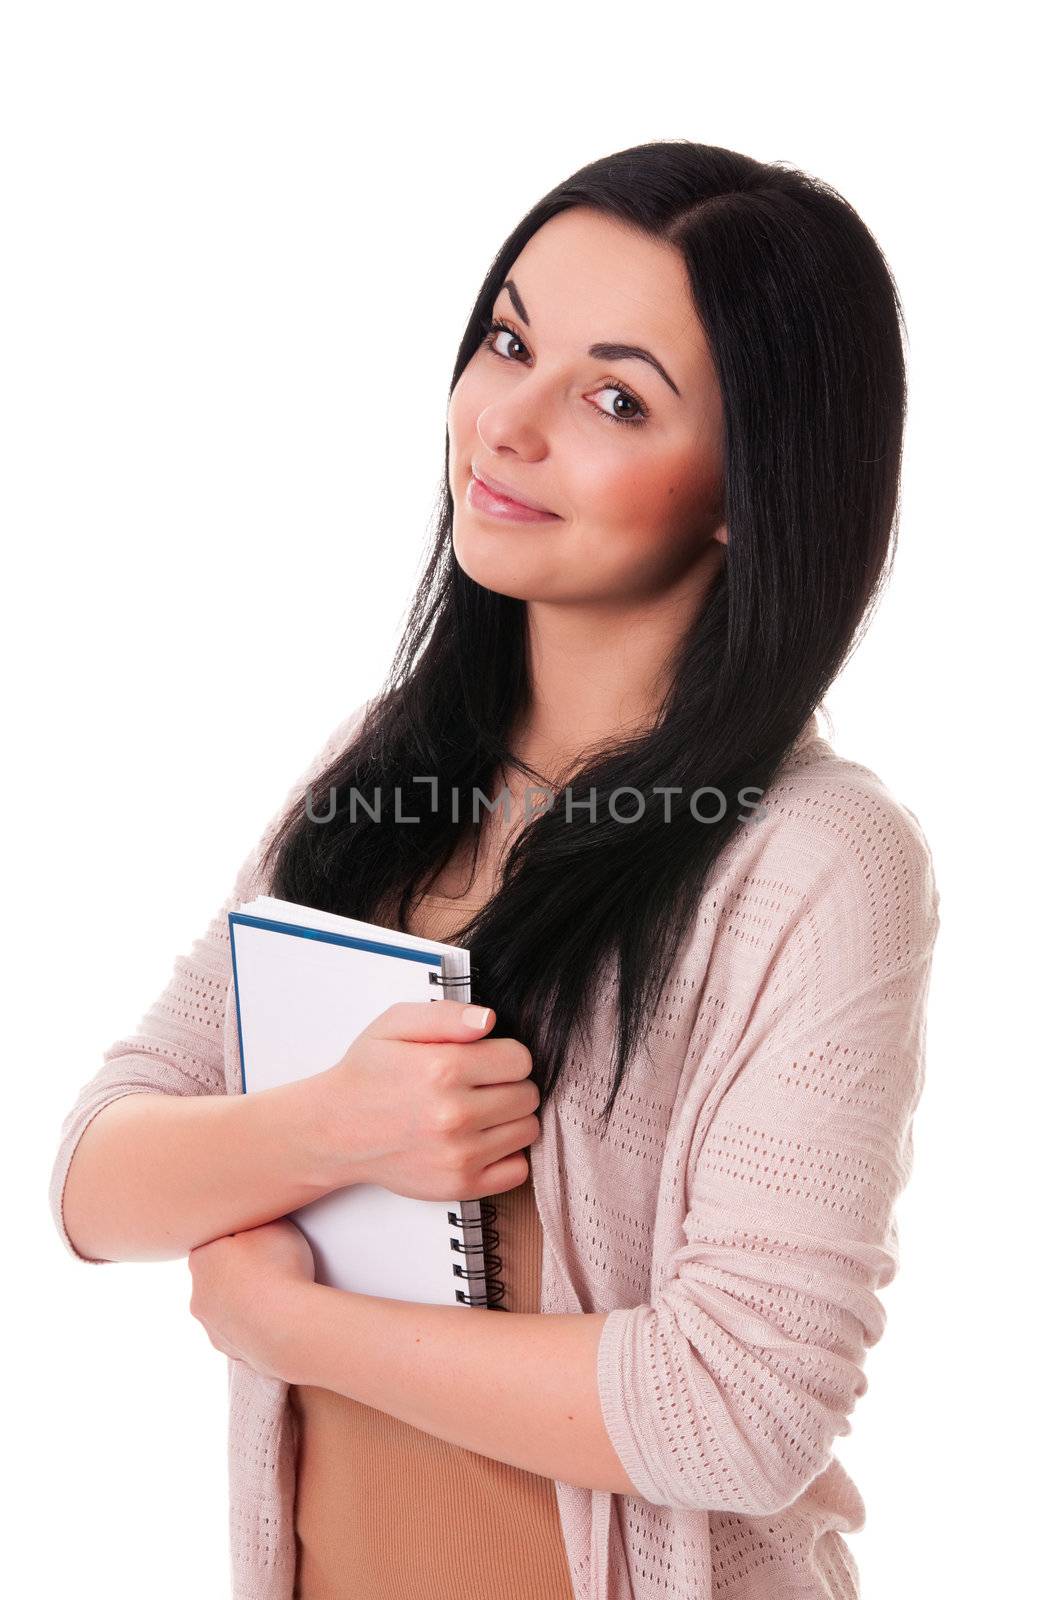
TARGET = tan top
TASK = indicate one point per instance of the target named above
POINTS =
(384, 1511)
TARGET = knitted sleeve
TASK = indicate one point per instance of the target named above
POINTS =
(178, 1045)
(725, 1392)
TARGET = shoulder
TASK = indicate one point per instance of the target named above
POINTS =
(842, 812)
(257, 869)
(344, 732)
(834, 853)
(341, 736)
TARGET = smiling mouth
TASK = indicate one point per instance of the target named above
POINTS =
(492, 501)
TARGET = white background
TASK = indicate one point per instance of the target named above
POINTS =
(241, 243)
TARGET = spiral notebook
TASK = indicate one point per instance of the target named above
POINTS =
(306, 983)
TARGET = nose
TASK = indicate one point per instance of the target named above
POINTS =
(513, 426)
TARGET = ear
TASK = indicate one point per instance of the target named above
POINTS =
(720, 533)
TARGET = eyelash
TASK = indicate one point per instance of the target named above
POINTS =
(500, 325)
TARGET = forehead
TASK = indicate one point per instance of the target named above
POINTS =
(585, 277)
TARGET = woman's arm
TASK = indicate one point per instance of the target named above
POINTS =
(726, 1391)
(156, 1175)
(154, 1157)
(520, 1388)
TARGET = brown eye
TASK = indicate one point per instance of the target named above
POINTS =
(491, 340)
(638, 415)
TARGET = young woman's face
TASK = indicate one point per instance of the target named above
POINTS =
(636, 503)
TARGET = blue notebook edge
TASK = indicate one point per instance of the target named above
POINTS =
(326, 936)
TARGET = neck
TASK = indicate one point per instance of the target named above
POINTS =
(598, 673)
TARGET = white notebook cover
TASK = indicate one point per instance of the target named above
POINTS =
(307, 983)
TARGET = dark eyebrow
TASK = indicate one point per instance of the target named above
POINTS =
(604, 352)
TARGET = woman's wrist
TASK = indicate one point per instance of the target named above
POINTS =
(307, 1117)
(288, 1332)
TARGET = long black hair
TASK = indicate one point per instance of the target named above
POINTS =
(804, 324)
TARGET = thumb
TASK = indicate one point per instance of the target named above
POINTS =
(426, 1020)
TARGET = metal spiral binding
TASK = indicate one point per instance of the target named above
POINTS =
(493, 1289)
(489, 1290)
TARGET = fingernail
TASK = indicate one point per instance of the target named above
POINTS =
(476, 1016)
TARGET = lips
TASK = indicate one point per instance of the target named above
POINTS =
(505, 492)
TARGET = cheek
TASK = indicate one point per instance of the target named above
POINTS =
(644, 498)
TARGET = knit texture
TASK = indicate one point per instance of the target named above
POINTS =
(735, 1221)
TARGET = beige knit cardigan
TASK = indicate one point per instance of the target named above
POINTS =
(736, 1220)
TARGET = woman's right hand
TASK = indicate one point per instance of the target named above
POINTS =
(423, 1104)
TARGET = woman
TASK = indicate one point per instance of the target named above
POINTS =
(674, 444)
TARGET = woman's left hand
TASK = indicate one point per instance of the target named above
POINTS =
(243, 1289)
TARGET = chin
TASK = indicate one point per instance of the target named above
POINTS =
(496, 569)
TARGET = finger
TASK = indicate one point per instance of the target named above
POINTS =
(494, 1102)
(509, 1137)
(432, 1020)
